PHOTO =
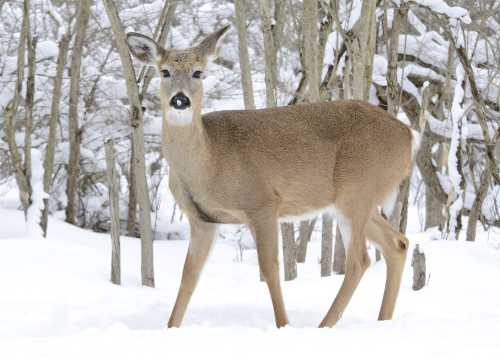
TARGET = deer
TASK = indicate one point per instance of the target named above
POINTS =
(260, 167)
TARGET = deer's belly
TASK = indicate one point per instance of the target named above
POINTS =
(298, 215)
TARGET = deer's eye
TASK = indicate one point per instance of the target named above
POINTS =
(197, 74)
(165, 73)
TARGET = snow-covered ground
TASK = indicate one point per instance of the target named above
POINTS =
(56, 300)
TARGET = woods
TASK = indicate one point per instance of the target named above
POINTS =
(68, 84)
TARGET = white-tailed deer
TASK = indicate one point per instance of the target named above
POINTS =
(259, 166)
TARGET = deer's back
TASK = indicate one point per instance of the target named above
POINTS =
(305, 128)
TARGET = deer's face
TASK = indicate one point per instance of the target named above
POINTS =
(181, 72)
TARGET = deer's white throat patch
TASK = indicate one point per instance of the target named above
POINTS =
(180, 117)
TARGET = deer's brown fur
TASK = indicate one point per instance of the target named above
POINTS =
(257, 166)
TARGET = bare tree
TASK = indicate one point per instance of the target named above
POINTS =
(114, 193)
(360, 44)
(29, 102)
(339, 254)
(289, 251)
(246, 76)
(269, 53)
(48, 163)
(475, 212)
(82, 20)
(147, 264)
(310, 44)
(392, 43)
(326, 246)
(22, 179)
(132, 194)
(306, 229)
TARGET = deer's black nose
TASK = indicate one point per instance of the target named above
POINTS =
(180, 101)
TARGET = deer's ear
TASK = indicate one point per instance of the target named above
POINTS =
(209, 46)
(143, 48)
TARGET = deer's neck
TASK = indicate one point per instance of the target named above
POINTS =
(186, 147)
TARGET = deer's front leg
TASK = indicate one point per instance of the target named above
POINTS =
(265, 229)
(202, 238)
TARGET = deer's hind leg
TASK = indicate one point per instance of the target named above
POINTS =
(394, 247)
(352, 219)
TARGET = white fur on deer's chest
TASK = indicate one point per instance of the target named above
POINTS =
(180, 117)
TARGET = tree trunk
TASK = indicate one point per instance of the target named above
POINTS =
(74, 96)
(289, 249)
(339, 254)
(326, 245)
(361, 48)
(305, 231)
(114, 192)
(270, 55)
(278, 23)
(398, 217)
(48, 164)
(433, 210)
(475, 211)
(147, 264)
(246, 76)
(22, 181)
(392, 40)
(434, 216)
(325, 29)
(29, 99)
(132, 197)
(310, 44)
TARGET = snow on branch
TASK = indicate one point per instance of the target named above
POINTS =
(458, 137)
(441, 7)
(459, 126)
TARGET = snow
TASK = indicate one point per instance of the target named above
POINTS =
(443, 128)
(379, 74)
(415, 22)
(46, 49)
(57, 301)
(428, 48)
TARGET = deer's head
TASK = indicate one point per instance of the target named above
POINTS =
(181, 72)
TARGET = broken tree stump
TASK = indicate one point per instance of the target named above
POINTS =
(113, 189)
(418, 264)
